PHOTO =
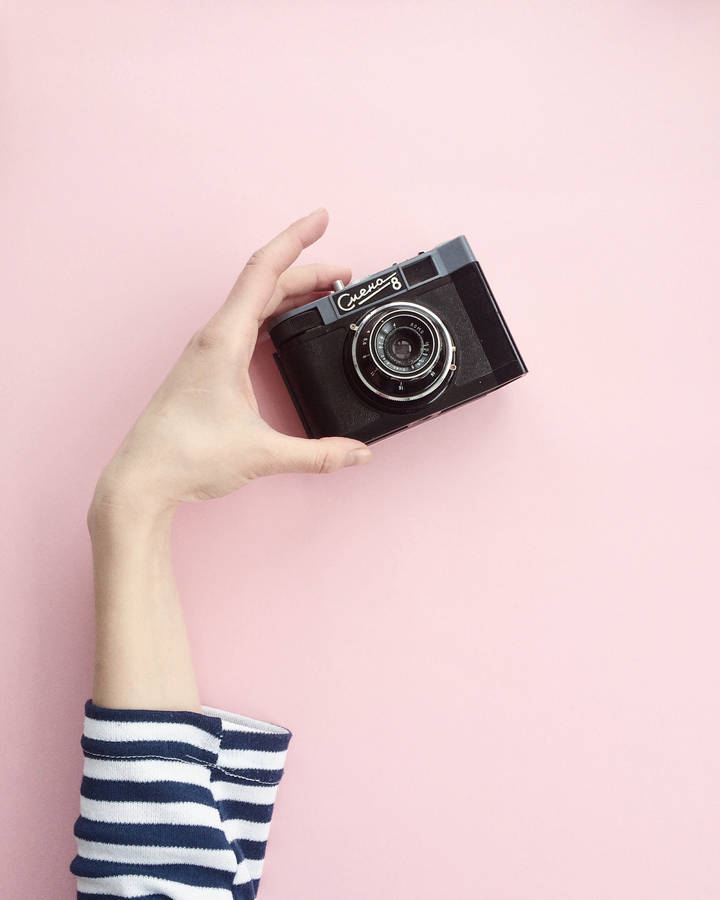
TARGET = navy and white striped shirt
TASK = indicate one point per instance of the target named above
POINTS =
(175, 804)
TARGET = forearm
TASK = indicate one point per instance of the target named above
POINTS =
(200, 436)
(142, 655)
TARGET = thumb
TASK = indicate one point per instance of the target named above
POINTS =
(321, 455)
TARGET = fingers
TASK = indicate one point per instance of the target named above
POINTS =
(296, 284)
(257, 282)
(293, 454)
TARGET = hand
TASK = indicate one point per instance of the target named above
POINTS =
(201, 435)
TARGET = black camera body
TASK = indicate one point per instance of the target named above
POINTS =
(393, 350)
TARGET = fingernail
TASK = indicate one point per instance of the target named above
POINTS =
(358, 457)
(316, 211)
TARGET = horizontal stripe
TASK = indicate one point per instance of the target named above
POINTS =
(251, 759)
(147, 770)
(252, 740)
(254, 867)
(253, 849)
(163, 835)
(211, 724)
(228, 788)
(155, 855)
(83, 895)
(148, 813)
(142, 886)
(260, 776)
(244, 830)
(157, 749)
(238, 809)
(177, 732)
(146, 792)
(199, 876)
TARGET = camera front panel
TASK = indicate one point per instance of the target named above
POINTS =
(389, 345)
(388, 353)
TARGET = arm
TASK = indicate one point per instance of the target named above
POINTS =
(201, 436)
(177, 797)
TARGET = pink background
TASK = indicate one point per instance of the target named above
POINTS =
(496, 645)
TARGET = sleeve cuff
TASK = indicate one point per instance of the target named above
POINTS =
(250, 750)
(241, 747)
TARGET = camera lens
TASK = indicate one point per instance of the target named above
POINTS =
(402, 352)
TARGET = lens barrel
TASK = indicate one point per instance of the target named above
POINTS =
(402, 352)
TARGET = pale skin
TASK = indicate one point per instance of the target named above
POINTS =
(200, 436)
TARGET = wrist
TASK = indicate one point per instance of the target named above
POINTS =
(122, 502)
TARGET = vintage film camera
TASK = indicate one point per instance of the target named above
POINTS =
(393, 350)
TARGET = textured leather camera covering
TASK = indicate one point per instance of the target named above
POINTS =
(313, 369)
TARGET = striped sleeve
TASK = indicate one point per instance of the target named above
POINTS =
(175, 805)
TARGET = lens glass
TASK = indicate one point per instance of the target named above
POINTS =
(403, 347)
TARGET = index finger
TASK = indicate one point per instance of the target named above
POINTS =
(257, 281)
